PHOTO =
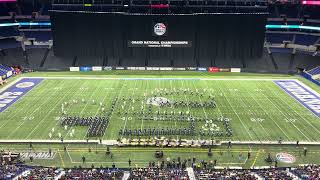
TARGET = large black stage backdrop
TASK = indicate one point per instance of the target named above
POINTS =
(214, 38)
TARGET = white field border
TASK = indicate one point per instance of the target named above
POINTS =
(110, 142)
(307, 88)
(151, 78)
(10, 84)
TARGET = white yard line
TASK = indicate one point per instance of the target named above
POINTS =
(118, 96)
(144, 107)
(39, 107)
(185, 97)
(74, 94)
(151, 78)
(204, 111)
(245, 127)
(125, 123)
(22, 109)
(307, 88)
(284, 114)
(48, 113)
(10, 84)
(173, 99)
(217, 106)
(254, 113)
(89, 101)
(293, 109)
(300, 115)
(103, 102)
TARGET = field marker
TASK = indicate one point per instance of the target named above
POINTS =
(272, 118)
(48, 113)
(153, 78)
(236, 114)
(19, 110)
(93, 93)
(125, 123)
(38, 107)
(217, 106)
(62, 162)
(254, 113)
(309, 89)
(266, 113)
(104, 98)
(255, 159)
(205, 113)
(10, 84)
(283, 113)
(74, 94)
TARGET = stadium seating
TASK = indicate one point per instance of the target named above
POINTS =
(278, 38)
(10, 171)
(4, 71)
(305, 39)
(308, 172)
(38, 35)
(42, 173)
(9, 43)
(314, 71)
(9, 32)
(156, 173)
(228, 174)
(269, 174)
(84, 174)
(20, 171)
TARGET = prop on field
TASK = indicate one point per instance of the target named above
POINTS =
(167, 142)
(210, 128)
(158, 154)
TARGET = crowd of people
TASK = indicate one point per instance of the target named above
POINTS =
(171, 170)
(91, 174)
(157, 174)
(10, 171)
(275, 173)
(204, 174)
(41, 173)
(308, 172)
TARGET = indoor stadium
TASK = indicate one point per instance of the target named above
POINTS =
(160, 89)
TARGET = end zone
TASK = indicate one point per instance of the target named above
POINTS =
(302, 94)
(13, 93)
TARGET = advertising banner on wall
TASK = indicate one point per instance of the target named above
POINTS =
(107, 68)
(153, 68)
(96, 68)
(235, 69)
(166, 69)
(74, 69)
(202, 69)
(213, 69)
(120, 68)
(191, 68)
(224, 69)
(85, 68)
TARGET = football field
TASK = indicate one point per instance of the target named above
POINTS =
(255, 109)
